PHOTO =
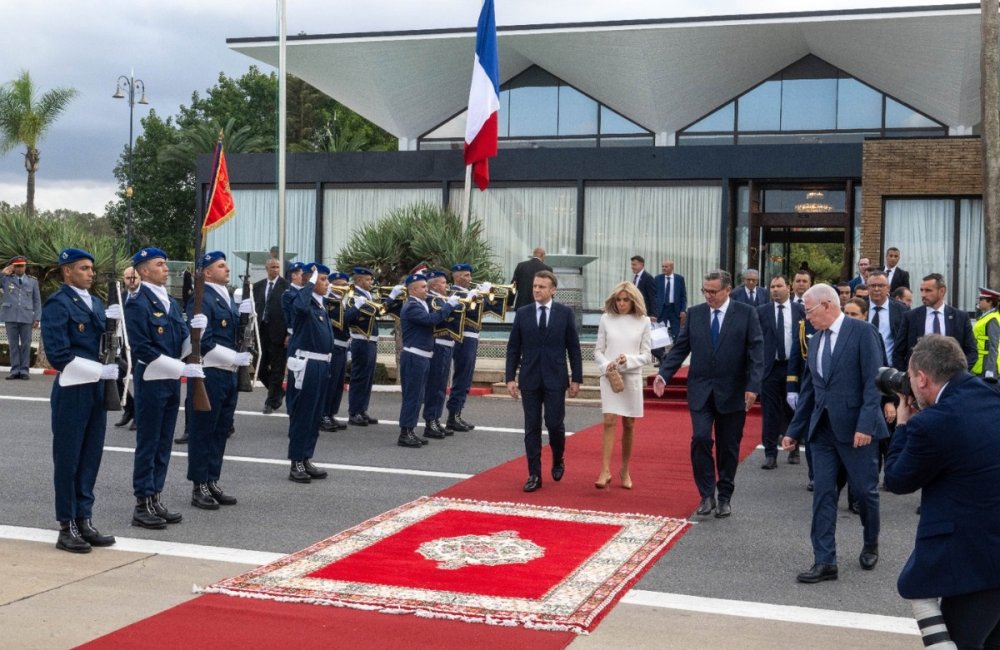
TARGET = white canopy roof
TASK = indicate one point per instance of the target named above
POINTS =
(662, 74)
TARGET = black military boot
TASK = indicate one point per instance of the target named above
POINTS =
(455, 423)
(163, 513)
(432, 431)
(407, 439)
(298, 473)
(313, 471)
(327, 424)
(145, 514)
(202, 498)
(448, 431)
(220, 496)
(458, 419)
(70, 538)
(92, 535)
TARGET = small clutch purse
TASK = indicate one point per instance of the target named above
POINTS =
(615, 379)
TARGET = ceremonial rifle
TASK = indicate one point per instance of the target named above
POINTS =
(111, 343)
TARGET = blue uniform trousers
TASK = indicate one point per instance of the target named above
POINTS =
(362, 375)
(209, 430)
(437, 382)
(335, 392)
(413, 370)
(554, 403)
(464, 357)
(303, 421)
(291, 393)
(78, 424)
(156, 405)
(862, 478)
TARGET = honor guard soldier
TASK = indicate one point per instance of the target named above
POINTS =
(160, 339)
(73, 323)
(417, 321)
(210, 429)
(464, 354)
(295, 272)
(364, 349)
(309, 368)
(341, 312)
(444, 343)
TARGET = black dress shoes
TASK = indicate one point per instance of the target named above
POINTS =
(70, 538)
(706, 506)
(126, 418)
(298, 473)
(818, 573)
(533, 483)
(369, 418)
(724, 510)
(182, 439)
(132, 427)
(220, 496)
(770, 463)
(793, 458)
(358, 420)
(313, 471)
(854, 506)
(558, 469)
(91, 535)
(868, 557)
(810, 486)
(268, 409)
(202, 498)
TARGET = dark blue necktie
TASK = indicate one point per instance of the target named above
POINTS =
(781, 333)
(875, 318)
(666, 295)
(715, 328)
(937, 322)
(827, 355)
(542, 322)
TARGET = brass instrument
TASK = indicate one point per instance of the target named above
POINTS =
(383, 292)
(505, 289)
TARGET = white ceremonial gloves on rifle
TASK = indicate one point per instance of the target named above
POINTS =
(396, 290)
(114, 312)
(198, 322)
(110, 370)
(359, 302)
(246, 306)
(793, 400)
(453, 301)
(242, 359)
(193, 370)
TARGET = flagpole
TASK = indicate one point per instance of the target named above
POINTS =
(282, 134)
(467, 198)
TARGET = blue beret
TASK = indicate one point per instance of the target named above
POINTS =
(70, 255)
(360, 270)
(146, 254)
(430, 275)
(461, 267)
(316, 266)
(414, 277)
(296, 266)
(339, 275)
(211, 257)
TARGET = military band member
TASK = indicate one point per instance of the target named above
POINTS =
(160, 339)
(417, 321)
(309, 368)
(464, 355)
(295, 272)
(73, 322)
(364, 350)
(209, 430)
(341, 312)
(437, 375)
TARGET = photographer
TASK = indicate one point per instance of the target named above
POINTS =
(950, 448)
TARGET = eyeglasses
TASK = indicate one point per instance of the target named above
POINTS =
(873, 285)
(816, 306)
(711, 292)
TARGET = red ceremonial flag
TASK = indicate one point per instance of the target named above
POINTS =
(221, 207)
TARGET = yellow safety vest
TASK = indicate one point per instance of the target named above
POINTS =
(983, 340)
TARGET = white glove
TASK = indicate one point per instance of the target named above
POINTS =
(474, 293)
(114, 312)
(359, 302)
(246, 306)
(453, 301)
(199, 322)
(109, 371)
(243, 359)
(193, 370)
(396, 290)
(485, 287)
(792, 399)
(315, 277)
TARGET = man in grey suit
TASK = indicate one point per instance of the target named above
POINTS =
(839, 413)
(724, 340)
(20, 310)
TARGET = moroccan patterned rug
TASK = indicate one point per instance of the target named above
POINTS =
(498, 563)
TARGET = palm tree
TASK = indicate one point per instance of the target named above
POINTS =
(24, 119)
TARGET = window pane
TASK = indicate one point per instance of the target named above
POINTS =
(613, 123)
(898, 116)
(720, 120)
(577, 112)
(972, 253)
(503, 115)
(858, 106)
(924, 231)
(533, 111)
(760, 109)
(809, 105)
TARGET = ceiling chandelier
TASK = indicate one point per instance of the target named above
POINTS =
(813, 203)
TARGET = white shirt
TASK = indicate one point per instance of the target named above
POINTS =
(670, 295)
(548, 312)
(929, 320)
(85, 295)
(786, 334)
(722, 313)
(161, 293)
(834, 331)
(222, 291)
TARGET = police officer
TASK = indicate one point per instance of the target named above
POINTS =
(341, 313)
(210, 429)
(73, 322)
(417, 321)
(464, 354)
(159, 338)
(437, 375)
(309, 368)
(987, 332)
(364, 349)
(295, 271)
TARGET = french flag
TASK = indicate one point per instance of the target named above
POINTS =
(484, 99)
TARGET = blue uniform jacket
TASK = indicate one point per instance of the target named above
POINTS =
(311, 331)
(70, 329)
(286, 304)
(223, 321)
(151, 330)
(418, 324)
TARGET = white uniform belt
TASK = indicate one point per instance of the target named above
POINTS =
(448, 343)
(469, 334)
(315, 356)
(361, 337)
(341, 344)
(420, 353)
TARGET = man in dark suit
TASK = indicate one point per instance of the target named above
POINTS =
(542, 338)
(933, 317)
(726, 347)
(750, 293)
(950, 450)
(840, 415)
(885, 315)
(779, 324)
(897, 276)
(643, 281)
(273, 335)
(864, 264)
(670, 303)
(524, 277)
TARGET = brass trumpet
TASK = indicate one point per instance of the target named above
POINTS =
(383, 292)
(502, 289)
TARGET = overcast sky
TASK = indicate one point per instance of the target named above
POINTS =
(179, 46)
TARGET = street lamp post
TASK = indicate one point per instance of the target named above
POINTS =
(131, 84)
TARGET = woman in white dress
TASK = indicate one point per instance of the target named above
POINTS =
(623, 339)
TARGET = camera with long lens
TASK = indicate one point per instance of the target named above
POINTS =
(890, 381)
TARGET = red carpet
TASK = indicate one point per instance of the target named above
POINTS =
(663, 486)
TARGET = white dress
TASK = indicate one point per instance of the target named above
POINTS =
(629, 335)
